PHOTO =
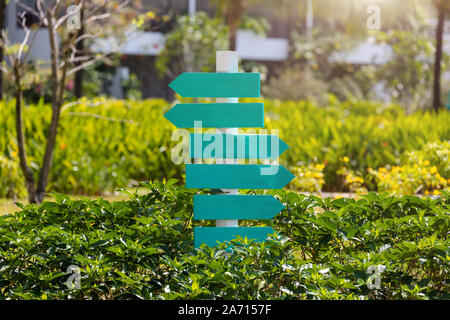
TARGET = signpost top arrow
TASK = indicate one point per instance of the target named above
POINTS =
(217, 85)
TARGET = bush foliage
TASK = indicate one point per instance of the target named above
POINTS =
(143, 249)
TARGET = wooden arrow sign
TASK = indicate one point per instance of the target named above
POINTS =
(217, 85)
(227, 209)
(217, 115)
(236, 207)
(237, 176)
(231, 146)
(211, 236)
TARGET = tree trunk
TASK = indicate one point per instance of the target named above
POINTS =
(437, 61)
(51, 139)
(235, 11)
(78, 85)
(29, 178)
(2, 27)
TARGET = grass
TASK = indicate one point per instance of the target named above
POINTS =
(7, 206)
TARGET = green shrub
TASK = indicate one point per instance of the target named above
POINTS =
(143, 249)
(100, 147)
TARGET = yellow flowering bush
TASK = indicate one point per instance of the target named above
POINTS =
(10, 179)
(436, 154)
(308, 177)
(352, 180)
(425, 171)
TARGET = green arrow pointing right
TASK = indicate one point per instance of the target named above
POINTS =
(236, 207)
(237, 176)
(235, 146)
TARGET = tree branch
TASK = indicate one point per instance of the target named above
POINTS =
(51, 139)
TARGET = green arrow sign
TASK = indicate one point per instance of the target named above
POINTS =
(217, 85)
(231, 146)
(237, 176)
(210, 236)
(236, 207)
(217, 115)
(228, 146)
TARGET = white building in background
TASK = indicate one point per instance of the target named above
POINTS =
(16, 34)
(249, 45)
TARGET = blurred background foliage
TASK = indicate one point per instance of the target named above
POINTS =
(343, 136)
(318, 31)
(104, 145)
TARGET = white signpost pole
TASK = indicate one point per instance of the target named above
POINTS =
(192, 7)
(227, 61)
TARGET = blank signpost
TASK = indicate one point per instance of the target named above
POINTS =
(227, 115)
(227, 64)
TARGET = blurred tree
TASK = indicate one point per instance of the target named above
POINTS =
(443, 9)
(232, 11)
(407, 76)
(78, 81)
(191, 46)
(2, 27)
(101, 19)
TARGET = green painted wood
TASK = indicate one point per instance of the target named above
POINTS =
(237, 176)
(217, 115)
(211, 236)
(231, 146)
(217, 85)
(236, 207)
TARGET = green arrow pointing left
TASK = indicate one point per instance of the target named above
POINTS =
(217, 85)
(217, 115)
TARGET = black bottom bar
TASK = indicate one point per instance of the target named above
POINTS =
(207, 309)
